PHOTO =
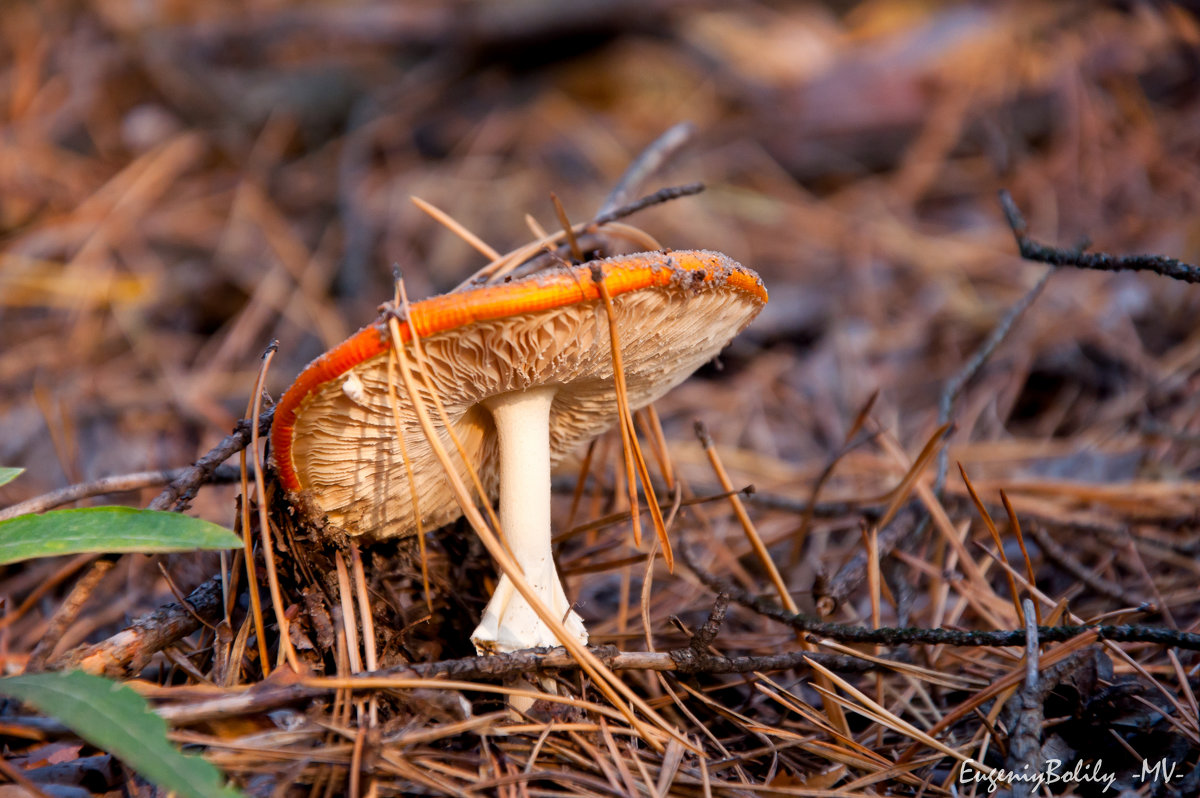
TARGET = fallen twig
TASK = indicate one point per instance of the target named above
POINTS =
(268, 695)
(1067, 561)
(707, 633)
(1100, 261)
(183, 488)
(896, 636)
(651, 159)
(850, 575)
(129, 651)
(657, 198)
(119, 483)
(979, 357)
(1024, 740)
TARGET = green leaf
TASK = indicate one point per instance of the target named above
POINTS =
(107, 529)
(7, 475)
(114, 718)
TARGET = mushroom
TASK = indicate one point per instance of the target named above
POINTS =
(524, 370)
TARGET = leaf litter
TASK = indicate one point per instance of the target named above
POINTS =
(185, 185)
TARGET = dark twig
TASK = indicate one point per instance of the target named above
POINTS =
(707, 633)
(955, 384)
(893, 636)
(593, 237)
(183, 489)
(119, 483)
(265, 696)
(789, 504)
(650, 161)
(1024, 741)
(1065, 560)
(680, 659)
(850, 575)
(657, 198)
(686, 660)
(1100, 261)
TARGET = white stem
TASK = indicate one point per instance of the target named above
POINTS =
(523, 429)
(509, 623)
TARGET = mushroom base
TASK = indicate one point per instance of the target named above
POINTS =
(510, 624)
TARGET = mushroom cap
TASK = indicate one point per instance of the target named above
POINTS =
(334, 435)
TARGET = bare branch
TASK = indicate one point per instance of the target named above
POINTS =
(129, 651)
(955, 384)
(1099, 261)
(893, 636)
(119, 483)
(266, 696)
(650, 161)
(183, 489)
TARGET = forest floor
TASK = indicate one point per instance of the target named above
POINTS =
(938, 437)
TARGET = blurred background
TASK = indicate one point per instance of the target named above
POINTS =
(183, 182)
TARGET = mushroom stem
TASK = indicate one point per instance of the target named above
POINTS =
(509, 623)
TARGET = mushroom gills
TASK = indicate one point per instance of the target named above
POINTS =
(509, 623)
